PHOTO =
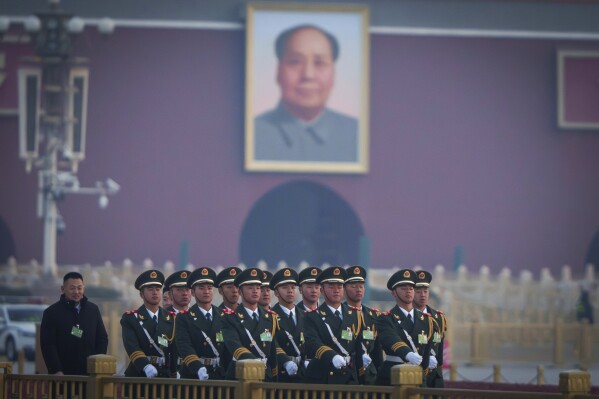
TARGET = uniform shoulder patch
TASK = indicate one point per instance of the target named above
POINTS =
(438, 311)
(172, 313)
(228, 311)
(131, 311)
(427, 314)
(385, 313)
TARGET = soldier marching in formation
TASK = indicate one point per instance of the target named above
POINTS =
(404, 332)
(335, 342)
(290, 335)
(199, 333)
(354, 294)
(249, 331)
(148, 331)
(434, 379)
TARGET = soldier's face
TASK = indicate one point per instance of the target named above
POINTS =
(286, 293)
(181, 296)
(306, 73)
(421, 297)
(354, 292)
(311, 292)
(73, 289)
(265, 296)
(250, 293)
(203, 293)
(333, 293)
(229, 292)
(151, 295)
(404, 294)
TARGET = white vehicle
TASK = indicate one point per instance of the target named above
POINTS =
(17, 329)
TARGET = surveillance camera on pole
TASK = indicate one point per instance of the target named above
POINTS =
(53, 91)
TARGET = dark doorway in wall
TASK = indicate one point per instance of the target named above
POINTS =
(301, 221)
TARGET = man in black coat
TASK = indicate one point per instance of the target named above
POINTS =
(72, 329)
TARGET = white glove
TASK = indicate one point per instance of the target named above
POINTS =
(150, 371)
(366, 360)
(291, 368)
(414, 358)
(178, 376)
(306, 363)
(202, 374)
(339, 362)
(432, 363)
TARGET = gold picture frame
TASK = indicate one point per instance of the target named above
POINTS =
(307, 88)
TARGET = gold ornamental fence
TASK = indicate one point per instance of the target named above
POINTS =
(102, 384)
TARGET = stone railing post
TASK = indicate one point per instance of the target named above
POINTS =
(496, 373)
(453, 372)
(246, 372)
(405, 376)
(540, 375)
(558, 344)
(586, 346)
(99, 366)
(5, 370)
(476, 355)
(574, 382)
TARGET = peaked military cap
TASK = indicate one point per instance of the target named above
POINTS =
(252, 275)
(308, 275)
(355, 274)
(177, 279)
(149, 277)
(227, 276)
(333, 274)
(203, 275)
(402, 277)
(423, 278)
(266, 277)
(284, 276)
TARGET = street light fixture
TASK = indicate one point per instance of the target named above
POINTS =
(53, 90)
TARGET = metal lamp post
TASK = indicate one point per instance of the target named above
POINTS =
(53, 88)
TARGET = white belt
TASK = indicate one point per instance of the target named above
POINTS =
(395, 359)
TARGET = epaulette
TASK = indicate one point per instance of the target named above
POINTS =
(311, 310)
(438, 311)
(272, 312)
(184, 311)
(427, 314)
(387, 313)
(228, 311)
(172, 313)
(355, 308)
(131, 311)
(376, 310)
